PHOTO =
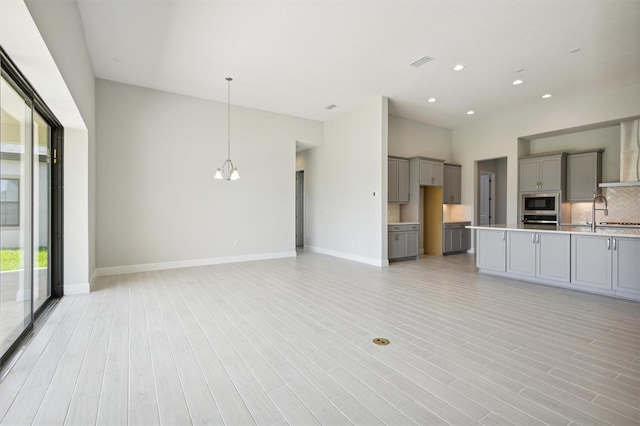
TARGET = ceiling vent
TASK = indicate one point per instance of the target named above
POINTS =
(420, 62)
(332, 106)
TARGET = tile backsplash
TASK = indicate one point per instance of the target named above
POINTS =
(393, 212)
(623, 202)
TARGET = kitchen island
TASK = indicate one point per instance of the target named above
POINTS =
(606, 261)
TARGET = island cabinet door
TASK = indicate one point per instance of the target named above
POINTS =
(591, 261)
(553, 255)
(626, 265)
(491, 250)
(521, 253)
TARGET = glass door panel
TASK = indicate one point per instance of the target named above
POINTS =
(15, 215)
(41, 210)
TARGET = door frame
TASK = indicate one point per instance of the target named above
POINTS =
(299, 209)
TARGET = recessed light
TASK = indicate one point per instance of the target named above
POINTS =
(431, 100)
(546, 96)
(332, 106)
(518, 70)
(576, 50)
(471, 112)
(517, 82)
(458, 67)
(419, 62)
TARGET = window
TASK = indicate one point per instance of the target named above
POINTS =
(10, 202)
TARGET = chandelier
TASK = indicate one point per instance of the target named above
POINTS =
(228, 171)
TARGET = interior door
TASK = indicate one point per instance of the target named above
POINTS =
(485, 199)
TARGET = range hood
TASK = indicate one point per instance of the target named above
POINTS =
(629, 155)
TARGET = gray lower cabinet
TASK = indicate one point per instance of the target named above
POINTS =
(626, 266)
(492, 249)
(540, 255)
(583, 261)
(591, 261)
(455, 237)
(403, 241)
(609, 263)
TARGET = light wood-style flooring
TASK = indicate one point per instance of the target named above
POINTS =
(288, 341)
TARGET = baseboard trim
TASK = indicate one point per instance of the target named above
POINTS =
(93, 278)
(148, 267)
(78, 288)
(348, 256)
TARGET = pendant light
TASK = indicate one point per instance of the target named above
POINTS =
(228, 171)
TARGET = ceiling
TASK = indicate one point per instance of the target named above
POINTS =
(296, 57)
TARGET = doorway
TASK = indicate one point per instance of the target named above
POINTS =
(300, 208)
(30, 172)
(491, 191)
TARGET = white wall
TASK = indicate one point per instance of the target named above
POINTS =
(71, 55)
(408, 138)
(497, 137)
(46, 41)
(343, 216)
(158, 205)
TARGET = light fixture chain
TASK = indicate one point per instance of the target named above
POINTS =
(228, 171)
(229, 118)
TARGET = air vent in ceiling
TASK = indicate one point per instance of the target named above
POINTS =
(420, 62)
(332, 106)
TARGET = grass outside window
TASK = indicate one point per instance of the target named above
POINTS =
(11, 259)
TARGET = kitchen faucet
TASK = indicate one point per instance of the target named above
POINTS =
(597, 197)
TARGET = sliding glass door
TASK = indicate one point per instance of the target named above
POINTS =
(16, 268)
(27, 130)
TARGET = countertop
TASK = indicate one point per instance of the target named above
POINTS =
(566, 229)
(403, 223)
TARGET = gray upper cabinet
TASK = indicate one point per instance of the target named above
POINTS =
(403, 181)
(542, 173)
(584, 173)
(431, 173)
(398, 186)
(451, 191)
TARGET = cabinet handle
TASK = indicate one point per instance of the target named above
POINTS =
(608, 243)
(614, 244)
(533, 238)
(538, 238)
(504, 235)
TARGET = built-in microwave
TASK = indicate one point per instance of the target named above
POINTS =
(540, 204)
